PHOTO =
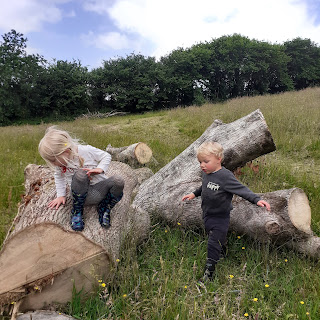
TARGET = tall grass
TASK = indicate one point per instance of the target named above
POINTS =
(159, 279)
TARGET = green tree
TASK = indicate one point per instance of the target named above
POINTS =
(180, 82)
(129, 84)
(64, 89)
(304, 66)
(18, 73)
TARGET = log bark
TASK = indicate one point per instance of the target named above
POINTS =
(135, 155)
(42, 254)
(243, 140)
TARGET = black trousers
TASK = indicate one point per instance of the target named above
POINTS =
(217, 229)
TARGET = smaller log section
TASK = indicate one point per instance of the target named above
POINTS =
(135, 155)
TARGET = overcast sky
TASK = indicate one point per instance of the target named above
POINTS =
(95, 30)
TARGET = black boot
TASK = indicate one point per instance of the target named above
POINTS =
(209, 270)
(104, 208)
(77, 223)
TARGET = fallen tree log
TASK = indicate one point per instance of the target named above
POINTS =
(243, 140)
(42, 254)
(134, 155)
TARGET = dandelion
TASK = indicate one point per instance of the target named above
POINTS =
(118, 260)
(243, 248)
(179, 224)
(266, 285)
(231, 276)
(302, 302)
(246, 314)
(124, 296)
(103, 284)
(255, 299)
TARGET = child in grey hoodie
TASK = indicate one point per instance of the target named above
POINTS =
(217, 189)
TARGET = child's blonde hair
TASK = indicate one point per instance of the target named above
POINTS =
(211, 147)
(54, 143)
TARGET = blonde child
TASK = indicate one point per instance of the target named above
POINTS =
(217, 189)
(82, 167)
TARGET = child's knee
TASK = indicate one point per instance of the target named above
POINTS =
(117, 185)
(80, 181)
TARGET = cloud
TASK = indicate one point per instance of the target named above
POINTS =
(180, 23)
(29, 15)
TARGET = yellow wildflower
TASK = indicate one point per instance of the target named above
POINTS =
(302, 302)
(185, 287)
(285, 260)
(243, 248)
(238, 237)
(124, 295)
(103, 284)
(231, 276)
(179, 224)
(118, 260)
(246, 314)
(255, 299)
(266, 285)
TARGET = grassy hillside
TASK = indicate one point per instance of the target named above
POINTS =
(159, 280)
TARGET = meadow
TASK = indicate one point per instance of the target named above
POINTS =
(159, 279)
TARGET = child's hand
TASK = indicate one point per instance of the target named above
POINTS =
(262, 203)
(55, 204)
(189, 196)
(92, 172)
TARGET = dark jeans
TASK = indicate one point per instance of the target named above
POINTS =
(217, 229)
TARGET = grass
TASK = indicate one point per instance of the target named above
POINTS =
(159, 279)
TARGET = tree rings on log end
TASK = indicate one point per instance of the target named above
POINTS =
(43, 258)
(299, 211)
(143, 153)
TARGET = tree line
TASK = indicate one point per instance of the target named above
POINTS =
(32, 88)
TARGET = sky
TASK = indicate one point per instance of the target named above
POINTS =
(92, 31)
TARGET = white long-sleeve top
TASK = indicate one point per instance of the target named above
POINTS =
(93, 158)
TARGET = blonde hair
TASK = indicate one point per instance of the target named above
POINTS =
(54, 143)
(211, 147)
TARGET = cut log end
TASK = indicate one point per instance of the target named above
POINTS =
(143, 153)
(299, 211)
(41, 255)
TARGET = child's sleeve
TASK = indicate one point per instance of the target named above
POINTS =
(198, 192)
(60, 182)
(234, 186)
(103, 158)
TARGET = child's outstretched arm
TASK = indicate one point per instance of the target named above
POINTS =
(189, 196)
(262, 203)
(55, 204)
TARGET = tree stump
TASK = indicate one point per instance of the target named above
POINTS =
(42, 257)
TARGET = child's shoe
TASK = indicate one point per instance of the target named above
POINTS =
(77, 223)
(104, 209)
(209, 270)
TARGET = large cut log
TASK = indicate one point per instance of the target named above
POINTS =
(134, 155)
(42, 257)
(243, 140)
